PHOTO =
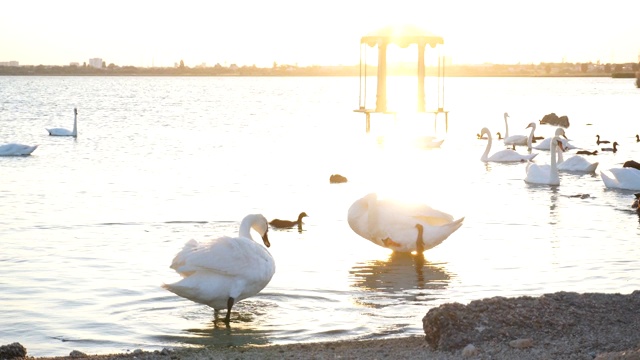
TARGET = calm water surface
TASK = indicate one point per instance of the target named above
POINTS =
(89, 225)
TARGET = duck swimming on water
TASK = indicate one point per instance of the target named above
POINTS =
(283, 224)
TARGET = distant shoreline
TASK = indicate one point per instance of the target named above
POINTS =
(313, 71)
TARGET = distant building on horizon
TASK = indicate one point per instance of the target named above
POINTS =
(9, 63)
(96, 63)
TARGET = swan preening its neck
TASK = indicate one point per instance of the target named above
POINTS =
(393, 225)
(66, 132)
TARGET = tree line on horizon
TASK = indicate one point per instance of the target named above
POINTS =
(542, 69)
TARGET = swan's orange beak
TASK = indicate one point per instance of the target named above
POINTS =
(561, 146)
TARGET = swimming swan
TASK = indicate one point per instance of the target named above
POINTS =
(545, 174)
(392, 224)
(625, 178)
(520, 140)
(546, 143)
(223, 271)
(506, 155)
(15, 149)
(575, 163)
(67, 132)
(277, 223)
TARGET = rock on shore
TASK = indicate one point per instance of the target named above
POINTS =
(588, 323)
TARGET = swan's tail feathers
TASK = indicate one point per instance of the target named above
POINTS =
(455, 225)
(609, 182)
(441, 233)
(180, 258)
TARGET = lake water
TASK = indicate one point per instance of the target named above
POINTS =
(90, 225)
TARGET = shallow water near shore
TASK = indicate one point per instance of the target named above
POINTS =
(90, 225)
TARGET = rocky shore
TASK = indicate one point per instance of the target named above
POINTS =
(561, 325)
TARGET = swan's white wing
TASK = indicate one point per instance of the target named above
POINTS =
(508, 155)
(546, 145)
(392, 224)
(60, 132)
(390, 209)
(538, 174)
(225, 255)
(16, 149)
(622, 178)
(516, 140)
(577, 163)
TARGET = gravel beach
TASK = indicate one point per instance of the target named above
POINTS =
(561, 325)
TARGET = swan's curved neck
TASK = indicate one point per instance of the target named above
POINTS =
(485, 155)
(530, 138)
(245, 226)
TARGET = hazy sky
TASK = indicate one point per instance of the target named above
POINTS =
(161, 33)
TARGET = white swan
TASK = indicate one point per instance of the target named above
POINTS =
(546, 143)
(518, 140)
(392, 224)
(506, 155)
(576, 163)
(15, 149)
(546, 174)
(624, 178)
(67, 132)
(223, 271)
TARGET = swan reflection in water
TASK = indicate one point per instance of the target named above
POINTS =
(403, 276)
(248, 326)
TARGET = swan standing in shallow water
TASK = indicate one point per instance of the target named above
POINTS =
(67, 132)
(15, 149)
(545, 174)
(223, 271)
(392, 224)
(506, 155)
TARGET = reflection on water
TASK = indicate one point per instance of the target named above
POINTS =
(245, 328)
(404, 276)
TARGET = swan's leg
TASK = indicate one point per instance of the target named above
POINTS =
(419, 259)
(419, 241)
(230, 301)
